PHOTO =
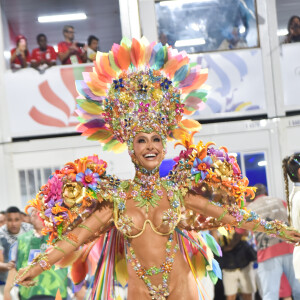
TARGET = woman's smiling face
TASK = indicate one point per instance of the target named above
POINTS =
(148, 150)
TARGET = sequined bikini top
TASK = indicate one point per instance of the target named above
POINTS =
(125, 223)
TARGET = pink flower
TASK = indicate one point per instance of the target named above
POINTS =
(95, 159)
(184, 154)
(122, 195)
(153, 103)
(88, 178)
(170, 193)
(159, 192)
(54, 188)
(134, 193)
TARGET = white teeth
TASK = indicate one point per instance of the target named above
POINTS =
(150, 155)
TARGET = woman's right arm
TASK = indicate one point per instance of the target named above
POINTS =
(93, 226)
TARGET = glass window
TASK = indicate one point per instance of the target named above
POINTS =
(255, 168)
(207, 25)
(31, 183)
(288, 18)
(47, 173)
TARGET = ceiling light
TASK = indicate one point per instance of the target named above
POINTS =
(190, 42)
(62, 18)
(262, 163)
(181, 2)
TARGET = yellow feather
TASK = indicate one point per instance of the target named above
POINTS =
(199, 265)
(121, 272)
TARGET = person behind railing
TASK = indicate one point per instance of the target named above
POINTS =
(93, 44)
(232, 39)
(44, 56)
(69, 51)
(20, 57)
(293, 35)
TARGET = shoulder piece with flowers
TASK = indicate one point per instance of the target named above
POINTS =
(70, 195)
(215, 174)
(210, 171)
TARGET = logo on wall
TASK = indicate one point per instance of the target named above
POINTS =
(68, 77)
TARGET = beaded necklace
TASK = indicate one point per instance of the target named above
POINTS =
(160, 292)
(147, 187)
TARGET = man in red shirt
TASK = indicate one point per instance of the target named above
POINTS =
(70, 52)
(44, 56)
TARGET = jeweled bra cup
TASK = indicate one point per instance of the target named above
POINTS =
(124, 223)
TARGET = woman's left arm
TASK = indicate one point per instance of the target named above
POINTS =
(242, 218)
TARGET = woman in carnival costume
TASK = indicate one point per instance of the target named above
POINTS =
(149, 227)
(291, 169)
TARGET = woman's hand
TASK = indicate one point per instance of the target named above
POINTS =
(25, 275)
(292, 236)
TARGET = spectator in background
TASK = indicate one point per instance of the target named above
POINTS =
(27, 247)
(274, 256)
(92, 48)
(70, 52)
(236, 264)
(163, 38)
(2, 218)
(232, 39)
(20, 57)
(8, 235)
(291, 169)
(293, 30)
(43, 57)
(25, 217)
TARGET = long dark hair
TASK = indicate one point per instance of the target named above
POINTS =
(290, 22)
(290, 166)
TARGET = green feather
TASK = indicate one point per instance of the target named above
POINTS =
(126, 41)
(197, 94)
(108, 146)
(160, 58)
(90, 106)
(211, 242)
(213, 277)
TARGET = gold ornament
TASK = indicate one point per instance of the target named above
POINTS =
(73, 193)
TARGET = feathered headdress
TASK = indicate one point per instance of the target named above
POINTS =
(137, 87)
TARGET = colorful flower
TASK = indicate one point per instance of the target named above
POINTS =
(201, 166)
(235, 166)
(134, 193)
(53, 189)
(218, 153)
(121, 206)
(88, 179)
(122, 195)
(159, 192)
(184, 154)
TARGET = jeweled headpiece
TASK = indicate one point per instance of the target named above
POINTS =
(139, 87)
